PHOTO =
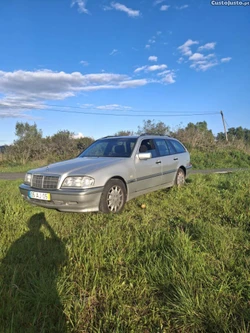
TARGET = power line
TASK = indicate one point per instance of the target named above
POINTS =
(120, 110)
(131, 115)
(125, 113)
(227, 123)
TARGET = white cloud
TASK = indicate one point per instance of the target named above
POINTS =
(208, 46)
(102, 78)
(211, 55)
(203, 66)
(164, 73)
(185, 49)
(107, 107)
(105, 8)
(156, 67)
(113, 107)
(139, 69)
(133, 83)
(199, 61)
(87, 106)
(4, 114)
(152, 40)
(152, 58)
(196, 57)
(180, 60)
(150, 68)
(114, 52)
(226, 59)
(182, 7)
(78, 136)
(157, 2)
(118, 85)
(203, 63)
(15, 106)
(164, 8)
(168, 76)
(84, 63)
(81, 6)
(123, 8)
(27, 90)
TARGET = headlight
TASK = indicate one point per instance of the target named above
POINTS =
(78, 182)
(27, 178)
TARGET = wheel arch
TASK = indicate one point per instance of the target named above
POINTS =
(184, 169)
(113, 178)
(120, 178)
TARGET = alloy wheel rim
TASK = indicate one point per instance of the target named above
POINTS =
(180, 178)
(115, 198)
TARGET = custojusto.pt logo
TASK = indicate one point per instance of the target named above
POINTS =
(230, 3)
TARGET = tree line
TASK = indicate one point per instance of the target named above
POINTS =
(30, 144)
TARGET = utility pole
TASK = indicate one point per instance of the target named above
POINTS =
(223, 120)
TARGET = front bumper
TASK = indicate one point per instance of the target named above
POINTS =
(86, 200)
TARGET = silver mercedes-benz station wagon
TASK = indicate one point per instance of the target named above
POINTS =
(108, 173)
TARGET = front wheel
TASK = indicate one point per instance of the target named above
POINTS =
(180, 177)
(113, 197)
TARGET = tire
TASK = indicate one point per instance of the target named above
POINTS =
(113, 197)
(180, 177)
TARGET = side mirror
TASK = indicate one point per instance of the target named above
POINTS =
(144, 156)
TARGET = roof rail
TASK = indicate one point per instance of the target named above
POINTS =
(154, 134)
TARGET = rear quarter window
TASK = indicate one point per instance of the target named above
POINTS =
(177, 146)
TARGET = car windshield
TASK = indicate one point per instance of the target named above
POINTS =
(110, 147)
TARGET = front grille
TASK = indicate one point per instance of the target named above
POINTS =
(50, 182)
(37, 181)
(45, 182)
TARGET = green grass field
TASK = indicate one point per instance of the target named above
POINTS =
(16, 167)
(182, 264)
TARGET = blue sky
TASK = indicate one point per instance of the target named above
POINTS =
(151, 58)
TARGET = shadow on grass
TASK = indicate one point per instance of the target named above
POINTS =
(28, 273)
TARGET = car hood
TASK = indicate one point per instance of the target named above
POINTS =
(78, 166)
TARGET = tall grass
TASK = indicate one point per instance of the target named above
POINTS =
(223, 157)
(179, 265)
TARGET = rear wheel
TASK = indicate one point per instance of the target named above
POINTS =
(180, 177)
(113, 197)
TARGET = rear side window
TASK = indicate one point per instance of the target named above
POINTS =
(162, 147)
(178, 146)
(171, 147)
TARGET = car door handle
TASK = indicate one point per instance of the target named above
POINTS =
(176, 159)
(158, 162)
